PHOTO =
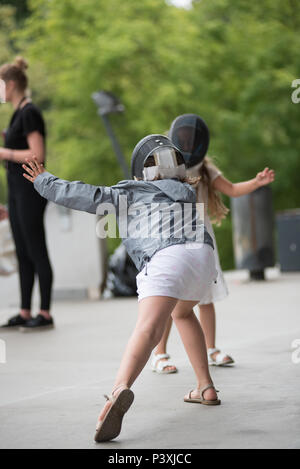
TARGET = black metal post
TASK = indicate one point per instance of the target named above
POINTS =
(115, 145)
(108, 103)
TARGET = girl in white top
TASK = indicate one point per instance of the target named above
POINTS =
(211, 184)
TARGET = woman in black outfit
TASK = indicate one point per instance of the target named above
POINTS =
(24, 137)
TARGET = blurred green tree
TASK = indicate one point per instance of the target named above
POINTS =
(245, 66)
(129, 48)
(7, 28)
(20, 8)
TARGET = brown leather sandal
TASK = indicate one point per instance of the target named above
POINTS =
(110, 427)
(203, 401)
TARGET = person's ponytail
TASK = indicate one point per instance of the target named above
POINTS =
(16, 72)
(20, 63)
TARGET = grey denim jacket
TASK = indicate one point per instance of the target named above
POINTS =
(144, 201)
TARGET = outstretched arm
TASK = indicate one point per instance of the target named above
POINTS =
(242, 188)
(75, 195)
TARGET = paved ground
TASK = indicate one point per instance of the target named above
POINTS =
(52, 384)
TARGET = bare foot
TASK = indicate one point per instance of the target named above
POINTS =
(109, 423)
(108, 405)
(104, 412)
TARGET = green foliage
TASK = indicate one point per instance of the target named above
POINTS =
(20, 8)
(231, 62)
(247, 64)
(86, 46)
(37, 73)
(7, 28)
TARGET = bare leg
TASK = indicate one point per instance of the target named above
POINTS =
(207, 318)
(193, 339)
(162, 346)
(153, 315)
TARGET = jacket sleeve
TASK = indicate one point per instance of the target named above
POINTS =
(75, 195)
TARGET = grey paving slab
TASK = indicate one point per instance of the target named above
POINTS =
(52, 385)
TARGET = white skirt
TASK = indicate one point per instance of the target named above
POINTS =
(218, 290)
(182, 271)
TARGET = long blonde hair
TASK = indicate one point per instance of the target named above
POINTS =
(217, 210)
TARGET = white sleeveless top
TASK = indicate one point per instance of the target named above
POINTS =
(218, 291)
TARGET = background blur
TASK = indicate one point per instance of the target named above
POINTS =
(231, 62)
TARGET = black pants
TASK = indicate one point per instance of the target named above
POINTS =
(26, 213)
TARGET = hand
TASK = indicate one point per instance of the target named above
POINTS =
(3, 213)
(33, 168)
(265, 177)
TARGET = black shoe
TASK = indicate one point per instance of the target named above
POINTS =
(15, 321)
(37, 324)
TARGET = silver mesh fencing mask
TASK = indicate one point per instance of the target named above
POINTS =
(156, 156)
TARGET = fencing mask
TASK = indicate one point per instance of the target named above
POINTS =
(156, 156)
(190, 135)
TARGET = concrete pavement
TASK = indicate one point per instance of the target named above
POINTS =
(52, 384)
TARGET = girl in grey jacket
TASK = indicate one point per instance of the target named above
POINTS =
(161, 229)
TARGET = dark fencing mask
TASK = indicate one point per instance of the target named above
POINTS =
(156, 156)
(190, 135)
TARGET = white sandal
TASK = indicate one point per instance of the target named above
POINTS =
(219, 359)
(159, 366)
